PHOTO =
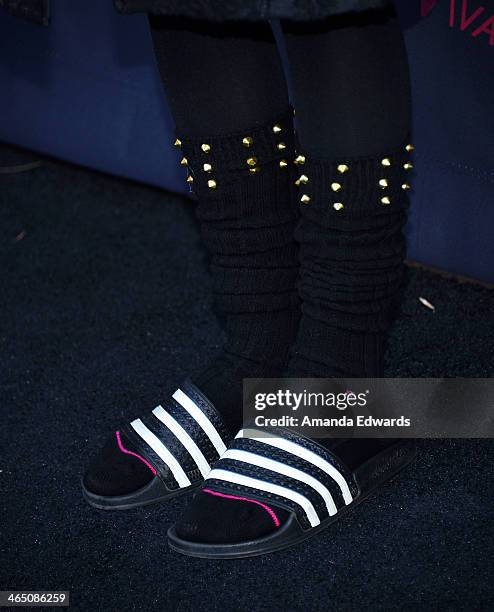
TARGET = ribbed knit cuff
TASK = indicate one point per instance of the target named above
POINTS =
(357, 186)
(214, 162)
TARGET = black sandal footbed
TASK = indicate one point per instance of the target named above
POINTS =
(368, 477)
(208, 436)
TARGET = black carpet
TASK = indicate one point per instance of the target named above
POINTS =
(104, 307)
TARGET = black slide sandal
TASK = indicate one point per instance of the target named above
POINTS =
(285, 470)
(177, 444)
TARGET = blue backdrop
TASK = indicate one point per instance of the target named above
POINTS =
(86, 89)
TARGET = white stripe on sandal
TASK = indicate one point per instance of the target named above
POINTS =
(167, 420)
(198, 415)
(164, 454)
(287, 470)
(302, 452)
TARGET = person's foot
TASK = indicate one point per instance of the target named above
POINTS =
(128, 471)
(159, 455)
(272, 491)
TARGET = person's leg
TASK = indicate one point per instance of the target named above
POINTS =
(228, 97)
(218, 78)
(360, 105)
(353, 136)
(225, 83)
(352, 100)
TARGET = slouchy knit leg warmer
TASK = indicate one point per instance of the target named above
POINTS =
(243, 183)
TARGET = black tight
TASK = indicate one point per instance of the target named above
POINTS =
(351, 84)
(349, 73)
(219, 78)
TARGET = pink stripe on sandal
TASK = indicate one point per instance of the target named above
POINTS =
(129, 452)
(269, 510)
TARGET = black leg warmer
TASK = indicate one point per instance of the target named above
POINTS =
(244, 186)
(351, 251)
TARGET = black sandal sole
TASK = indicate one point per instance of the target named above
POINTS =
(152, 493)
(370, 476)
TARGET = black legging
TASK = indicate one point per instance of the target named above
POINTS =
(350, 78)
(219, 78)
